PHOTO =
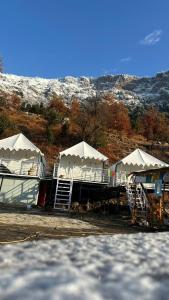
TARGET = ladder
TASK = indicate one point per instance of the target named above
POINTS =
(63, 195)
(137, 199)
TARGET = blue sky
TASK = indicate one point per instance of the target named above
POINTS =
(56, 38)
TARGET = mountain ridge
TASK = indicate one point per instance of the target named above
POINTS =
(132, 90)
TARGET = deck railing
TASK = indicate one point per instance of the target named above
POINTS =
(86, 174)
(16, 167)
(120, 179)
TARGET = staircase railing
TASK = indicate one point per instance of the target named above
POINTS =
(136, 196)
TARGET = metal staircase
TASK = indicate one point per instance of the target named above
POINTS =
(63, 195)
(137, 200)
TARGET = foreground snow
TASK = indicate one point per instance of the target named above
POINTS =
(134, 266)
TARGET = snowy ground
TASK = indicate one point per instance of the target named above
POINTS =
(130, 267)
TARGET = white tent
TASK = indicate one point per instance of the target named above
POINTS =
(18, 142)
(137, 160)
(84, 150)
(82, 162)
(21, 156)
(140, 158)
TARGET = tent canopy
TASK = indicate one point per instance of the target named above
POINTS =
(84, 150)
(140, 158)
(18, 142)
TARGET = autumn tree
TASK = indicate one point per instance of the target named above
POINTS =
(56, 111)
(3, 99)
(115, 115)
(154, 125)
(10, 101)
(74, 111)
(57, 103)
(97, 116)
(14, 102)
(89, 121)
(4, 123)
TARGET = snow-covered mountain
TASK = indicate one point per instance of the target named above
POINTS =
(130, 89)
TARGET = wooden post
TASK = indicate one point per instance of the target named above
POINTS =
(1, 183)
(135, 206)
(161, 209)
(162, 206)
(134, 210)
(80, 192)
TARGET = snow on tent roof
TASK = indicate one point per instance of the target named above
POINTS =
(140, 158)
(18, 142)
(84, 150)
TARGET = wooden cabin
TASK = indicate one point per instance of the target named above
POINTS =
(22, 165)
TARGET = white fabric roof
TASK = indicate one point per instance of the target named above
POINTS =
(84, 150)
(140, 158)
(18, 142)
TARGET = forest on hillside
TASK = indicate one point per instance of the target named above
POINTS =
(103, 122)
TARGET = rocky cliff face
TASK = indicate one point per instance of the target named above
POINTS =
(134, 91)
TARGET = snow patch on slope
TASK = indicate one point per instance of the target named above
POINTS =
(37, 90)
(132, 90)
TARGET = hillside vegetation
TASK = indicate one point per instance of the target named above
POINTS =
(103, 122)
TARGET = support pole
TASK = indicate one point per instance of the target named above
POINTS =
(162, 206)
(80, 192)
(1, 183)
